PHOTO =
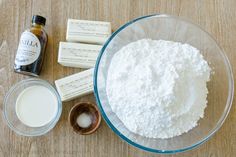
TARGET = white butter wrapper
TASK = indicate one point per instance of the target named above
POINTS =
(88, 31)
(78, 55)
(75, 85)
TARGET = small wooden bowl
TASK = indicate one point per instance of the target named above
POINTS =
(88, 108)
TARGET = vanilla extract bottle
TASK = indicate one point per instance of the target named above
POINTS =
(31, 49)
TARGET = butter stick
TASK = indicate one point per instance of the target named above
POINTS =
(75, 85)
(88, 31)
(78, 55)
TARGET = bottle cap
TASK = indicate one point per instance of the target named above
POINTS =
(39, 19)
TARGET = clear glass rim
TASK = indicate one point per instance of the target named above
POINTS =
(50, 125)
(220, 121)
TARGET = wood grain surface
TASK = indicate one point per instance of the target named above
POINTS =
(218, 17)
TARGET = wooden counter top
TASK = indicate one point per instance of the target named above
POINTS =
(218, 17)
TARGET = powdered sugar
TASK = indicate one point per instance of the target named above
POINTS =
(157, 88)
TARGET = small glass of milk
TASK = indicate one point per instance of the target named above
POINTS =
(32, 107)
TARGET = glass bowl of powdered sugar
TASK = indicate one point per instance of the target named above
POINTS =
(163, 84)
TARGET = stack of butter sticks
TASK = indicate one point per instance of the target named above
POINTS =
(84, 42)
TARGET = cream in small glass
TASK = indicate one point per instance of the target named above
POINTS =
(36, 106)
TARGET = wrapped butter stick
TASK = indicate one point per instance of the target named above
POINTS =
(75, 85)
(88, 31)
(78, 55)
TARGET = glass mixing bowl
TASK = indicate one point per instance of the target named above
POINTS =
(175, 29)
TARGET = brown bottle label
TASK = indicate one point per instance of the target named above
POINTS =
(28, 50)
